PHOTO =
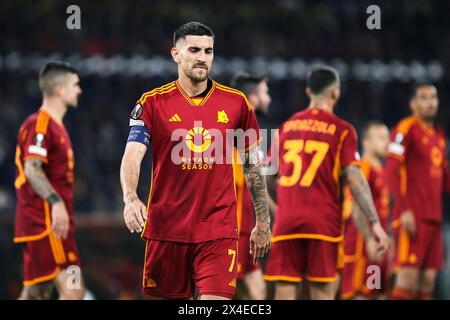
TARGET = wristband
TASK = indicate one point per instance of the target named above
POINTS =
(53, 198)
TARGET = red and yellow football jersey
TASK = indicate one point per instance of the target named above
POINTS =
(314, 147)
(416, 169)
(192, 195)
(42, 137)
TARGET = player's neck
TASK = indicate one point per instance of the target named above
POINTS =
(321, 104)
(427, 123)
(190, 87)
(55, 108)
(373, 159)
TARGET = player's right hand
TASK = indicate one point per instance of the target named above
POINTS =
(60, 220)
(382, 240)
(260, 241)
(408, 222)
(134, 214)
(372, 250)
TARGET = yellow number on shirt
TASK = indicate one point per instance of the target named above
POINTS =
(232, 252)
(293, 149)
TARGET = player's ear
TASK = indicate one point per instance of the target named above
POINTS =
(58, 89)
(253, 99)
(175, 54)
(308, 92)
(335, 93)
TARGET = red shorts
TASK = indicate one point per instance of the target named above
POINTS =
(294, 260)
(45, 258)
(424, 251)
(172, 270)
(245, 259)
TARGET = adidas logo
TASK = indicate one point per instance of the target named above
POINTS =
(150, 283)
(232, 283)
(175, 118)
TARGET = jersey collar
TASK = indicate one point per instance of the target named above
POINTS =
(196, 102)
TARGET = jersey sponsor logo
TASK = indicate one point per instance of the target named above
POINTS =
(396, 148)
(139, 123)
(136, 112)
(201, 148)
(193, 139)
(222, 117)
(436, 156)
(175, 118)
(37, 150)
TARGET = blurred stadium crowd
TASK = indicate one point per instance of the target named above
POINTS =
(280, 38)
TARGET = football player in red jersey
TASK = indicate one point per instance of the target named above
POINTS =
(417, 173)
(316, 150)
(359, 243)
(250, 276)
(191, 218)
(44, 187)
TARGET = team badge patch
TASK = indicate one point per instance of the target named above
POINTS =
(137, 112)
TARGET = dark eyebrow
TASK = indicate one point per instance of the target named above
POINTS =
(198, 48)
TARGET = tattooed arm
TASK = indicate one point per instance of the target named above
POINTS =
(361, 222)
(37, 179)
(41, 185)
(260, 239)
(363, 200)
(135, 211)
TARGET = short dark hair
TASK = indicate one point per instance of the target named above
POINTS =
(320, 78)
(50, 72)
(192, 28)
(368, 125)
(247, 82)
(416, 86)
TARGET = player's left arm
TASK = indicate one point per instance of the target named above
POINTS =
(363, 198)
(260, 239)
(36, 177)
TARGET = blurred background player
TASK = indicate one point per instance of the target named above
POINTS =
(417, 172)
(359, 243)
(316, 149)
(250, 276)
(192, 231)
(44, 182)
